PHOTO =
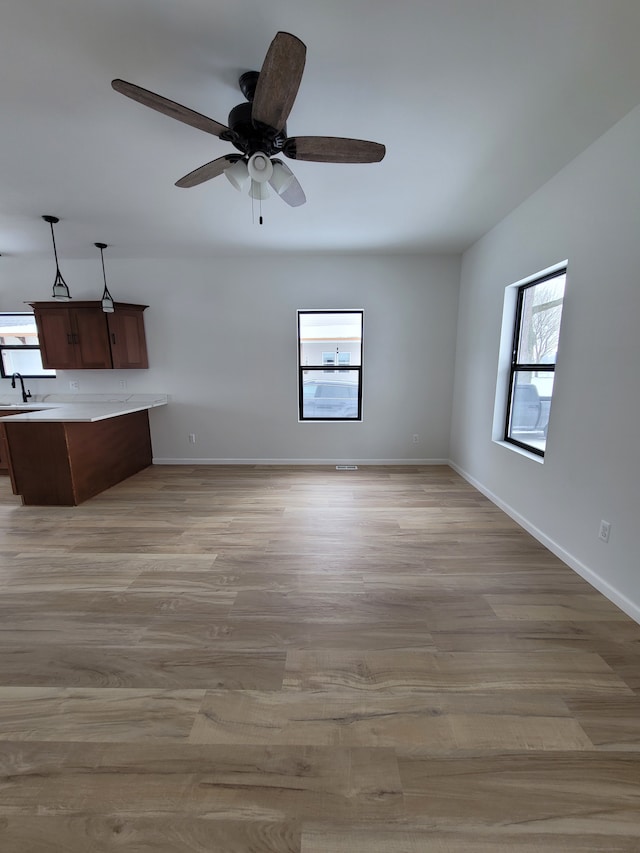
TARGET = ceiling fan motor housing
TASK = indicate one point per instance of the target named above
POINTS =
(248, 82)
(250, 137)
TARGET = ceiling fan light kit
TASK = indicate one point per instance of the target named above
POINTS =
(60, 289)
(257, 128)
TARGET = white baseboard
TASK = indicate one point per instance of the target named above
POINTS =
(614, 595)
(160, 460)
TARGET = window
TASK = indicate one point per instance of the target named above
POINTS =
(533, 361)
(20, 348)
(330, 339)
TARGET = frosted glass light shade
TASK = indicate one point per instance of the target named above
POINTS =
(238, 175)
(260, 167)
(259, 190)
(281, 179)
(60, 290)
(107, 302)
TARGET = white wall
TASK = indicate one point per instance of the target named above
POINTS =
(590, 214)
(222, 343)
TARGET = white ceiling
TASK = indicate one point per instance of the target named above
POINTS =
(478, 102)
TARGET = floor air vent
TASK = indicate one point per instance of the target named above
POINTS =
(346, 467)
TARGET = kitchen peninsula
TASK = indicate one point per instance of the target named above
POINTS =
(61, 453)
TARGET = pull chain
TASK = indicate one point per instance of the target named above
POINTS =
(253, 211)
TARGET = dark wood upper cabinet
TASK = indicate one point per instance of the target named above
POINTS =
(55, 333)
(127, 338)
(81, 336)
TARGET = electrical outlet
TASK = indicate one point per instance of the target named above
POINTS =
(605, 530)
(74, 385)
(192, 438)
(122, 384)
(416, 439)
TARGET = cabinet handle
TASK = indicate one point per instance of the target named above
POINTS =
(113, 337)
(76, 339)
(69, 338)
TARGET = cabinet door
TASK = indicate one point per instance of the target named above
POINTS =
(83, 336)
(56, 338)
(127, 338)
(90, 337)
(4, 450)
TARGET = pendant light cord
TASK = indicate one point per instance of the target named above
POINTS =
(104, 275)
(107, 298)
(55, 251)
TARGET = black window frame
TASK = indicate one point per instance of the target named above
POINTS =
(22, 348)
(518, 366)
(333, 369)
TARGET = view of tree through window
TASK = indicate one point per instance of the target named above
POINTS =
(330, 365)
(533, 363)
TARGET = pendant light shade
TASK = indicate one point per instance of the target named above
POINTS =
(60, 289)
(238, 175)
(260, 167)
(282, 177)
(107, 301)
(259, 190)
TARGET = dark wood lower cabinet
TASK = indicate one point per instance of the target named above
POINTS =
(4, 452)
(64, 464)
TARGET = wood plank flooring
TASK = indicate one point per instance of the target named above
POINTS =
(304, 660)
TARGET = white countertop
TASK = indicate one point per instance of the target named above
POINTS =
(81, 408)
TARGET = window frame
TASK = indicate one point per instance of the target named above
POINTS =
(22, 348)
(516, 366)
(335, 368)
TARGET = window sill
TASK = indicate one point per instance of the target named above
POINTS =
(520, 451)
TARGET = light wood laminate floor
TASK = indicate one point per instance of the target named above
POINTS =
(305, 660)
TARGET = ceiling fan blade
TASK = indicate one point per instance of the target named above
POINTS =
(169, 108)
(209, 170)
(333, 149)
(294, 194)
(279, 81)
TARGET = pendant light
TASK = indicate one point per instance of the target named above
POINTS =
(60, 289)
(107, 301)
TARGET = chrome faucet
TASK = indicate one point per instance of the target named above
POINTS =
(25, 394)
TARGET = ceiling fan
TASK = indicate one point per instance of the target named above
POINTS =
(257, 128)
